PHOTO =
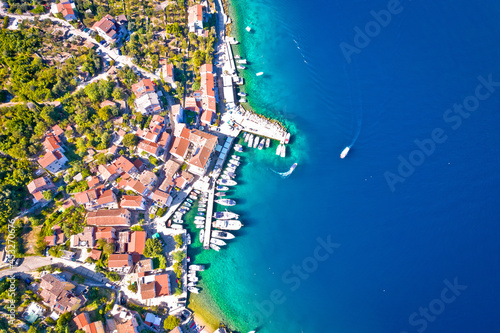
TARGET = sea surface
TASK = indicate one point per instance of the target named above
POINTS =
(403, 234)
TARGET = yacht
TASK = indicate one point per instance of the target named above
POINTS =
(222, 188)
(238, 148)
(203, 205)
(241, 61)
(256, 142)
(233, 166)
(242, 94)
(235, 157)
(245, 137)
(193, 196)
(225, 215)
(228, 182)
(200, 268)
(217, 241)
(268, 142)
(214, 247)
(200, 214)
(230, 174)
(242, 100)
(200, 226)
(202, 235)
(227, 224)
(194, 290)
(191, 284)
(250, 141)
(226, 202)
(261, 144)
(197, 191)
(222, 234)
(234, 162)
(345, 152)
(199, 222)
(189, 200)
(227, 177)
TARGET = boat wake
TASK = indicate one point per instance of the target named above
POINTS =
(359, 119)
(286, 174)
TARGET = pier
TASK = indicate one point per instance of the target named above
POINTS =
(208, 221)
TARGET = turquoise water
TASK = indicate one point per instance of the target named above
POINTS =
(396, 247)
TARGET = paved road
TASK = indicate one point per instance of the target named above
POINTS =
(29, 264)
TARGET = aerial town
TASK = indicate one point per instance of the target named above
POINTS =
(133, 131)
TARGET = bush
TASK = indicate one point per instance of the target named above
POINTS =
(171, 322)
(132, 287)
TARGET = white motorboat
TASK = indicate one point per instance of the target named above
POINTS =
(256, 142)
(202, 235)
(227, 215)
(176, 226)
(283, 150)
(222, 234)
(248, 29)
(234, 162)
(268, 142)
(230, 174)
(287, 138)
(226, 202)
(237, 56)
(261, 144)
(199, 218)
(191, 284)
(235, 157)
(178, 221)
(242, 94)
(278, 150)
(241, 61)
(201, 222)
(226, 182)
(227, 224)
(188, 239)
(245, 137)
(203, 205)
(226, 177)
(250, 141)
(242, 100)
(345, 152)
(259, 73)
(222, 188)
(241, 67)
(200, 226)
(217, 241)
(202, 209)
(194, 290)
(200, 268)
(214, 247)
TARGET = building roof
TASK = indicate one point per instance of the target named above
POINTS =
(195, 13)
(207, 68)
(149, 147)
(145, 265)
(131, 201)
(118, 260)
(94, 181)
(162, 285)
(207, 117)
(51, 143)
(86, 196)
(95, 327)
(106, 24)
(50, 158)
(124, 164)
(180, 147)
(109, 217)
(137, 242)
(142, 87)
(107, 171)
(82, 320)
(105, 233)
(36, 184)
(95, 254)
(57, 130)
(107, 103)
(148, 290)
(65, 9)
(129, 326)
(147, 178)
(160, 196)
(164, 139)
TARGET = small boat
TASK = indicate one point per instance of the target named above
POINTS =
(241, 61)
(199, 218)
(242, 100)
(237, 56)
(261, 144)
(220, 194)
(250, 141)
(278, 150)
(222, 234)
(232, 166)
(226, 202)
(227, 182)
(200, 268)
(241, 67)
(217, 241)
(234, 162)
(178, 221)
(268, 142)
(230, 174)
(188, 239)
(214, 247)
(194, 197)
(222, 188)
(183, 210)
(200, 226)
(283, 150)
(345, 152)
(199, 222)
(235, 157)
(239, 149)
(237, 145)
(242, 94)
(176, 226)
(259, 73)
(193, 279)
(200, 214)
(256, 142)
(287, 138)
(202, 235)
(202, 209)
(187, 204)
(194, 290)
(202, 205)
(248, 29)
(227, 224)
(197, 191)
(227, 177)
(245, 137)
(191, 284)
(225, 215)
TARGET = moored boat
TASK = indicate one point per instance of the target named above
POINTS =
(239, 149)
(176, 226)
(250, 141)
(199, 222)
(202, 235)
(202, 205)
(200, 268)
(234, 162)
(200, 214)
(248, 29)
(256, 142)
(227, 224)
(242, 100)
(226, 202)
(283, 150)
(278, 150)
(287, 138)
(220, 194)
(222, 188)
(200, 226)
(222, 234)
(259, 73)
(217, 241)
(214, 247)
(241, 67)
(235, 157)
(261, 144)
(178, 221)
(202, 209)
(191, 284)
(242, 94)
(245, 137)
(230, 165)
(268, 142)
(227, 182)
(225, 215)
(188, 239)
(241, 61)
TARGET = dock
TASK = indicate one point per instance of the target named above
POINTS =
(208, 221)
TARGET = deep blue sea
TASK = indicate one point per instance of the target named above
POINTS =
(412, 213)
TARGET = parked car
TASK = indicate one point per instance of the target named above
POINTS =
(102, 42)
(18, 262)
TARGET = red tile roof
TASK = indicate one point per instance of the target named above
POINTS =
(111, 217)
(82, 320)
(142, 87)
(131, 201)
(137, 242)
(118, 260)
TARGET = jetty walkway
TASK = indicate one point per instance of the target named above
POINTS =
(208, 221)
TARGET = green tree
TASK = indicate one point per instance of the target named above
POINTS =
(171, 322)
(179, 255)
(153, 248)
(137, 228)
(48, 195)
(132, 287)
(108, 248)
(178, 241)
(162, 262)
(129, 140)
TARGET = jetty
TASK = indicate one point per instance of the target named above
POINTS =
(208, 220)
